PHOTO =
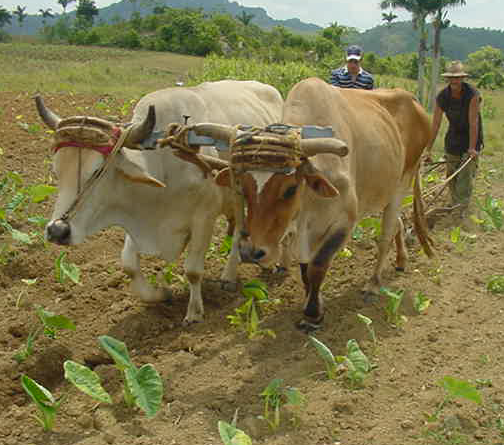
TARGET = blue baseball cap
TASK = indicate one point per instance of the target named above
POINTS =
(354, 52)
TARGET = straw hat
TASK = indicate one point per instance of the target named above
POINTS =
(455, 69)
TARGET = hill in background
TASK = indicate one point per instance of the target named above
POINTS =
(457, 42)
(125, 8)
(399, 38)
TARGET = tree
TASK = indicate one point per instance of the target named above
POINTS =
(5, 17)
(389, 18)
(439, 23)
(46, 14)
(245, 18)
(335, 33)
(86, 11)
(64, 4)
(21, 14)
(419, 9)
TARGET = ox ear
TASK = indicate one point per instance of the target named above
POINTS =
(223, 178)
(136, 173)
(318, 182)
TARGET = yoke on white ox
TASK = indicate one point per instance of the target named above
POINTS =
(326, 185)
(163, 202)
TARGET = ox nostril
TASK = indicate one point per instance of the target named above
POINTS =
(58, 232)
(258, 254)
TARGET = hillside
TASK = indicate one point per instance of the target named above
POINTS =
(125, 8)
(458, 42)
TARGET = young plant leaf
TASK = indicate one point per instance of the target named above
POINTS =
(118, 351)
(85, 380)
(421, 302)
(21, 236)
(41, 192)
(460, 388)
(146, 387)
(52, 321)
(327, 356)
(357, 357)
(231, 435)
(44, 401)
(66, 270)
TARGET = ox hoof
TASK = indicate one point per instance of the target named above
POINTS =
(280, 270)
(188, 322)
(309, 326)
(369, 296)
(399, 269)
(229, 286)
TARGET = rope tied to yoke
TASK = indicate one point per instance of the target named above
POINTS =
(177, 137)
(276, 148)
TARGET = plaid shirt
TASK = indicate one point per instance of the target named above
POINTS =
(342, 78)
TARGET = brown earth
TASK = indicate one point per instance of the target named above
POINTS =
(210, 370)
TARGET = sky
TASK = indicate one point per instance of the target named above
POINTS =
(360, 14)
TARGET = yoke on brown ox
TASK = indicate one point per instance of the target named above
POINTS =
(163, 202)
(326, 185)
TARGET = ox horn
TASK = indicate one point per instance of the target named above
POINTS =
(216, 131)
(312, 147)
(141, 130)
(51, 119)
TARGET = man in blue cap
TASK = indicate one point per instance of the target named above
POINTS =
(352, 75)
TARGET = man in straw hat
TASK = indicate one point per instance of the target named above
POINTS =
(460, 102)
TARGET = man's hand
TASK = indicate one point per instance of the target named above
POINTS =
(472, 152)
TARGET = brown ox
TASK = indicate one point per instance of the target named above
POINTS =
(325, 196)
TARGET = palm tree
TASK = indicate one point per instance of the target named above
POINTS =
(21, 14)
(64, 4)
(46, 14)
(439, 23)
(389, 18)
(245, 18)
(419, 9)
(5, 17)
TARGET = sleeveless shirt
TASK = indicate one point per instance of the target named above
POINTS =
(457, 112)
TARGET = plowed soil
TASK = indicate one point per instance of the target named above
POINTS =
(210, 370)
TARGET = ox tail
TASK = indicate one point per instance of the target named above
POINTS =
(419, 219)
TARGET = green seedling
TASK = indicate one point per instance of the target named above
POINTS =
(345, 253)
(226, 245)
(421, 302)
(356, 364)
(392, 307)
(496, 284)
(455, 388)
(86, 381)
(14, 199)
(143, 386)
(371, 226)
(50, 325)
(327, 356)
(367, 322)
(28, 282)
(247, 317)
(492, 213)
(275, 396)
(460, 238)
(46, 403)
(66, 270)
(231, 435)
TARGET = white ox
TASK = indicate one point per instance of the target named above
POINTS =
(163, 202)
(368, 166)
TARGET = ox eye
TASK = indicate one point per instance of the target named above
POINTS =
(290, 192)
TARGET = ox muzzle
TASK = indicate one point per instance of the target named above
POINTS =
(59, 232)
